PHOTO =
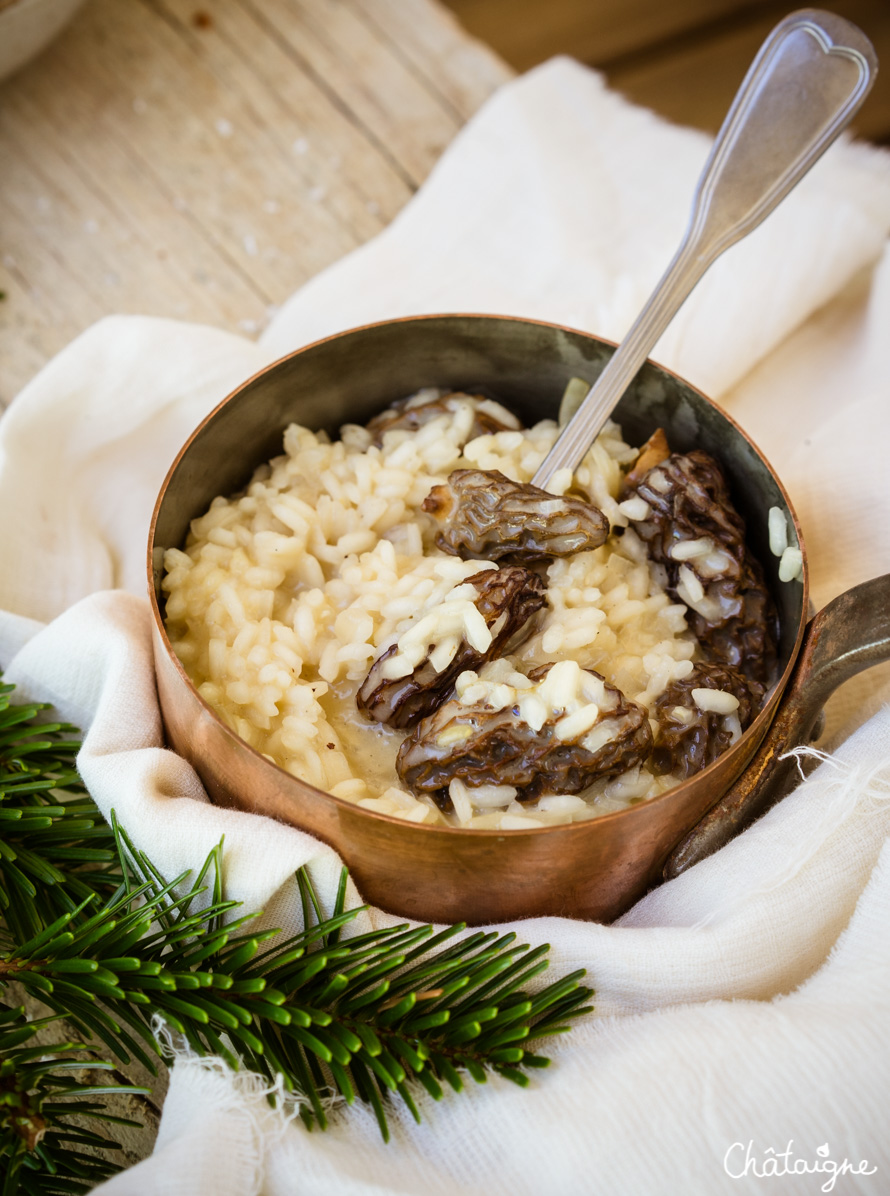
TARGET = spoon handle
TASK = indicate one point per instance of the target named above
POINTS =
(806, 83)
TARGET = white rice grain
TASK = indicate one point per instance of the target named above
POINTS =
(778, 531)
(715, 701)
(791, 565)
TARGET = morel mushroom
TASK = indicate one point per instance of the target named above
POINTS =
(486, 516)
(555, 731)
(399, 691)
(681, 508)
(411, 415)
(701, 716)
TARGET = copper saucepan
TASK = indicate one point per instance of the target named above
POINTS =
(594, 869)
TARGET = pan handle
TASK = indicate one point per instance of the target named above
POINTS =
(850, 634)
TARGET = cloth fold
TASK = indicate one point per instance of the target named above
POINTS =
(744, 1002)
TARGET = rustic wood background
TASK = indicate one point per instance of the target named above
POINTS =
(684, 58)
(202, 158)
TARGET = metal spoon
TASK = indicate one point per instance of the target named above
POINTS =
(805, 85)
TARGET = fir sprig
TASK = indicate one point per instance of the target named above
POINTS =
(44, 1147)
(56, 850)
(95, 933)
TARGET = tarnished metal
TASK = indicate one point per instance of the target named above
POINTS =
(593, 869)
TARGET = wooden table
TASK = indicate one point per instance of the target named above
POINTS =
(684, 58)
(201, 159)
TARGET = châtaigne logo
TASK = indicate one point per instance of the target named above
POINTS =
(742, 1160)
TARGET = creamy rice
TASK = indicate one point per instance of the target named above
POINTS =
(285, 595)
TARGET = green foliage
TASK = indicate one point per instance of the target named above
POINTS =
(94, 932)
(55, 849)
(41, 1150)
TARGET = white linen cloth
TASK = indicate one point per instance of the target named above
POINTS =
(745, 1002)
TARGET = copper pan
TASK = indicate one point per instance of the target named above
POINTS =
(593, 869)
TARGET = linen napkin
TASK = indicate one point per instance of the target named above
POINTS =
(742, 1008)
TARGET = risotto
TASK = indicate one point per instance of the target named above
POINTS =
(295, 604)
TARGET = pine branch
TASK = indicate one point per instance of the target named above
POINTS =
(42, 1150)
(55, 847)
(110, 944)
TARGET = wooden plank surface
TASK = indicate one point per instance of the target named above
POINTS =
(693, 80)
(685, 59)
(203, 161)
(526, 32)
